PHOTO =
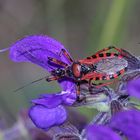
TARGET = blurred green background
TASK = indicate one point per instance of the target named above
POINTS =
(83, 26)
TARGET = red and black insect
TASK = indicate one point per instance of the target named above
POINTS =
(103, 65)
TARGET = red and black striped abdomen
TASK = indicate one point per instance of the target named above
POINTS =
(109, 76)
(108, 68)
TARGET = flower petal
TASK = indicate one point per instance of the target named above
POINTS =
(37, 49)
(68, 86)
(69, 98)
(45, 118)
(133, 88)
(53, 100)
(98, 132)
(50, 101)
(67, 83)
(127, 122)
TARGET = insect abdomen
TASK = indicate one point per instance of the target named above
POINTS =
(110, 76)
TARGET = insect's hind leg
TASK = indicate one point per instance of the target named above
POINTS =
(63, 51)
(109, 48)
(57, 62)
(103, 84)
(90, 85)
(127, 54)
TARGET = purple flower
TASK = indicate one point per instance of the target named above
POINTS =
(45, 118)
(67, 97)
(37, 49)
(127, 122)
(52, 104)
(99, 132)
(133, 88)
(47, 110)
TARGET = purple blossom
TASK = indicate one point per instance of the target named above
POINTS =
(133, 88)
(47, 110)
(128, 122)
(51, 104)
(99, 132)
(67, 97)
(37, 49)
(45, 118)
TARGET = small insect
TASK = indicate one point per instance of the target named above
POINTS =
(101, 66)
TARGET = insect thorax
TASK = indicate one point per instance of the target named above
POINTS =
(77, 70)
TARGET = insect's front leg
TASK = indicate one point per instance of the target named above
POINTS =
(63, 51)
(57, 62)
(52, 78)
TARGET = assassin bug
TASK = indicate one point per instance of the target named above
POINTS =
(92, 68)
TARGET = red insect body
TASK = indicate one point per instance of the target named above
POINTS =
(101, 66)
(95, 59)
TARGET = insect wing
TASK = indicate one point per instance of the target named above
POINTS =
(37, 49)
(110, 66)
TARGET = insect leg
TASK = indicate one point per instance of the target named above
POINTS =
(63, 51)
(80, 97)
(52, 78)
(90, 84)
(109, 48)
(78, 92)
(103, 84)
(128, 55)
(78, 88)
(116, 106)
(58, 62)
(124, 53)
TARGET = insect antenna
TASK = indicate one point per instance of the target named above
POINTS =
(40, 79)
(4, 50)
